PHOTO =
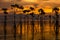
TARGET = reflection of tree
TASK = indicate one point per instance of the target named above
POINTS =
(42, 13)
(50, 22)
(14, 22)
(5, 18)
(57, 22)
(32, 23)
(20, 28)
(20, 23)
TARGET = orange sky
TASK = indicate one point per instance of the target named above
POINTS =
(42, 3)
(33, 1)
(47, 5)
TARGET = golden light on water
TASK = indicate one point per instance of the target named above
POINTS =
(25, 24)
(37, 28)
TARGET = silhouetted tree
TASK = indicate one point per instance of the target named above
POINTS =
(5, 24)
(14, 22)
(15, 5)
(32, 14)
(5, 10)
(32, 22)
(57, 22)
(24, 11)
(31, 8)
(42, 13)
(21, 7)
(56, 10)
(12, 6)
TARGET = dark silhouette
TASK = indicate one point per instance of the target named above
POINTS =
(56, 10)
(5, 24)
(20, 23)
(12, 6)
(24, 11)
(14, 23)
(32, 23)
(21, 7)
(20, 28)
(15, 5)
(32, 8)
(5, 10)
(57, 22)
(32, 14)
(50, 23)
(42, 13)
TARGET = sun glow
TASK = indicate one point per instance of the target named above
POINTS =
(30, 0)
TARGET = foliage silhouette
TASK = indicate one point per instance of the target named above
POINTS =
(57, 22)
(5, 24)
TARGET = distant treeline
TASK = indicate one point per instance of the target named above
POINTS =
(30, 10)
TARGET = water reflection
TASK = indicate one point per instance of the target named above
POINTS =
(47, 31)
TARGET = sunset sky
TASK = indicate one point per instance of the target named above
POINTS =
(7, 3)
(47, 5)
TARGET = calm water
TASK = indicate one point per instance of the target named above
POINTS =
(42, 25)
